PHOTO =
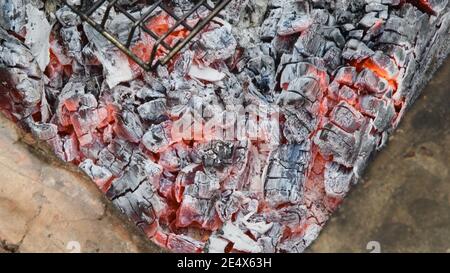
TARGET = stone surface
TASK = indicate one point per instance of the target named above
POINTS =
(47, 208)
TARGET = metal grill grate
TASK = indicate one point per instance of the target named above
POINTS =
(89, 7)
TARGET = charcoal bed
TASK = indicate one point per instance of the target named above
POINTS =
(213, 126)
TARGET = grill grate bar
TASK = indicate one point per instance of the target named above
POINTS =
(162, 50)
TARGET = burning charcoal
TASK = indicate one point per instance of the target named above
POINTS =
(205, 73)
(196, 210)
(298, 125)
(269, 26)
(294, 18)
(348, 94)
(310, 43)
(337, 180)
(116, 65)
(38, 35)
(134, 175)
(13, 15)
(21, 80)
(302, 242)
(369, 81)
(333, 141)
(158, 137)
(380, 109)
(198, 205)
(67, 17)
(169, 159)
(44, 131)
(143, 206)
(346, 117)
(263, 69)
(218, 154)
(393, 37)
(70, 147)
(356, 50)
(397, 53)
(285, 174)
(228, 204)
(218, 44)
(292, 23)
(369, 20)
(357, 34)
(72, 41)
(100, 175)
(240, 240)
(116, 156)
(249, 138)
(129, 126)
(216, 244)
(346, 75)
(332, 58)
(387, 67)
(297, 70)
(153, 110)
(85, 121)
(184, 244)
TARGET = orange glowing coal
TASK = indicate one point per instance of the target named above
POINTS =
(159, 25)
(379, 71)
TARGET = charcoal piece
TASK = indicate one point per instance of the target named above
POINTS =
(300, 69)
(346, 117)
(218, 44)
(100, 175)
(310, 43)
(292, 23)
(369, 20)
(346, 75)
(387, 66)
(197, 210)
(348, 94)
(337, 180)
(285, 174)
(334, 141)
(357, 34)
(13, 14)
(218, 154)
(298, 243)
(142, 206)
(129, 126)
(297, 127)
(158, 137)
(182, 243)
(142, 171)
(241, 241)
(115, 156)
(72, 41)
(269, 26)
(67, 17)
(355, 50)
(369, 81)
(44, 131)
(20, 75)
(153, 110)
(228, 204)
(306, 88)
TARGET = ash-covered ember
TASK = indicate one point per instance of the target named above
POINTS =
(255, 132)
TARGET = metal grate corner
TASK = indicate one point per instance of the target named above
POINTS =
(89, 7)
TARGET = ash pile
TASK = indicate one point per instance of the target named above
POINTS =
(250, 137)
